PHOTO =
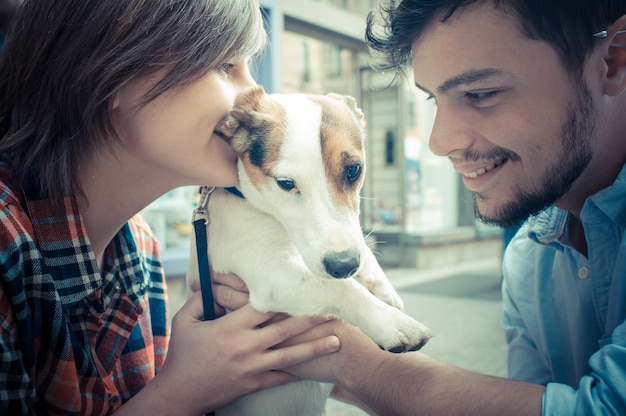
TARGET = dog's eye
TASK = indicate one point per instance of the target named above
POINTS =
(353, 172)
(286, 184)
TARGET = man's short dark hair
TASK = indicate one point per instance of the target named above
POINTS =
(567, 25)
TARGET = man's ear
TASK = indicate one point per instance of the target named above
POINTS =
(615, 58)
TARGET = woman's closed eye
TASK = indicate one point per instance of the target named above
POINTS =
(226, 67)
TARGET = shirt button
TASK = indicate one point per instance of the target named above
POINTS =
(114, 400)
(583, 273)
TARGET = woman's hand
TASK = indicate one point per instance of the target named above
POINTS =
(229, 292)
(212, 363)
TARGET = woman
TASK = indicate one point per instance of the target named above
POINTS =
(107, 105)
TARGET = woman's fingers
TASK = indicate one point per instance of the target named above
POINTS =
(229, 292)
(227, 298)
(255, 350)
(282, 340)
(286, 357)
(192, 308)
(281, 327)
(284, 348)
(272, 332)
(231, 280)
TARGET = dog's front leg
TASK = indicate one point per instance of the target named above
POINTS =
(372, 276)
(305, 294)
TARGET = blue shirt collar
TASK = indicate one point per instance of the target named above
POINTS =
(549, 227)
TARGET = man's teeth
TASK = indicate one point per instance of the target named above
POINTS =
(480, 171)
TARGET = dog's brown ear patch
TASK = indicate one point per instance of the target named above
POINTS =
(262, 125)
(229, 127)
(243, 112)
(246, 117)
(352, 104)
(342, 137)
(250, 98)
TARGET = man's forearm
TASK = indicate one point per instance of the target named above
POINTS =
(412, 384)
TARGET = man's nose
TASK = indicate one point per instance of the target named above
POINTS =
(449, 135)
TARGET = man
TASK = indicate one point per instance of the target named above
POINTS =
(531, 111)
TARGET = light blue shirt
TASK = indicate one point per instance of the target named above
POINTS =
(564, 313)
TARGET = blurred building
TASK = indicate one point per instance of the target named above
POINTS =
(419, 212)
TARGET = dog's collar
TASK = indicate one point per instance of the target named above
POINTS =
(233, 190)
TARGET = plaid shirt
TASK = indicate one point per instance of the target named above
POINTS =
(74, 340)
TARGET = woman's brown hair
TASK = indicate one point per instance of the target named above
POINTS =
(66, 59)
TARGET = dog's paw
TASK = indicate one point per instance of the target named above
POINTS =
(398, 332)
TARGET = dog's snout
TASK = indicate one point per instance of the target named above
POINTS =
(342, 265)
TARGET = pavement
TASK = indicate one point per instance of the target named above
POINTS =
(461, 304)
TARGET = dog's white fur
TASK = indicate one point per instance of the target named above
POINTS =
(284, 241)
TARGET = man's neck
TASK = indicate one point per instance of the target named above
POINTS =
(577, 235)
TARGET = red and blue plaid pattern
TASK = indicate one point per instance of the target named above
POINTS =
(74, 340)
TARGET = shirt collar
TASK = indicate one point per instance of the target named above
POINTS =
(67, 256)
(611, 201)
(550, 226)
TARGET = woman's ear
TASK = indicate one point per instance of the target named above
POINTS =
(615, 58)
(115, 102)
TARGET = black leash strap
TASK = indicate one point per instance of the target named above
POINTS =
(200, 222)
(205, 271)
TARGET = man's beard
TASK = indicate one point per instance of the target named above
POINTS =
(577, 133)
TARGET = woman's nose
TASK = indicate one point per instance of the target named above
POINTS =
(245, 78)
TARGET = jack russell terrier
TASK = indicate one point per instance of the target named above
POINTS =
(295, 237)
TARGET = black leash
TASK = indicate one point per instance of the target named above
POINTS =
(200, 220)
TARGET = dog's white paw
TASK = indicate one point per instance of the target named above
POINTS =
(397, 332)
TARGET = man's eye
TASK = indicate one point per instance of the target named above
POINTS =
(478, 97)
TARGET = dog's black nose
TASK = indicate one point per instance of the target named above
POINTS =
(342, 265)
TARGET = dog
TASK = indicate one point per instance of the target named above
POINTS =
(295, 237)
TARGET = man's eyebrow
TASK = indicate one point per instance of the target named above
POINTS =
(469, 77)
